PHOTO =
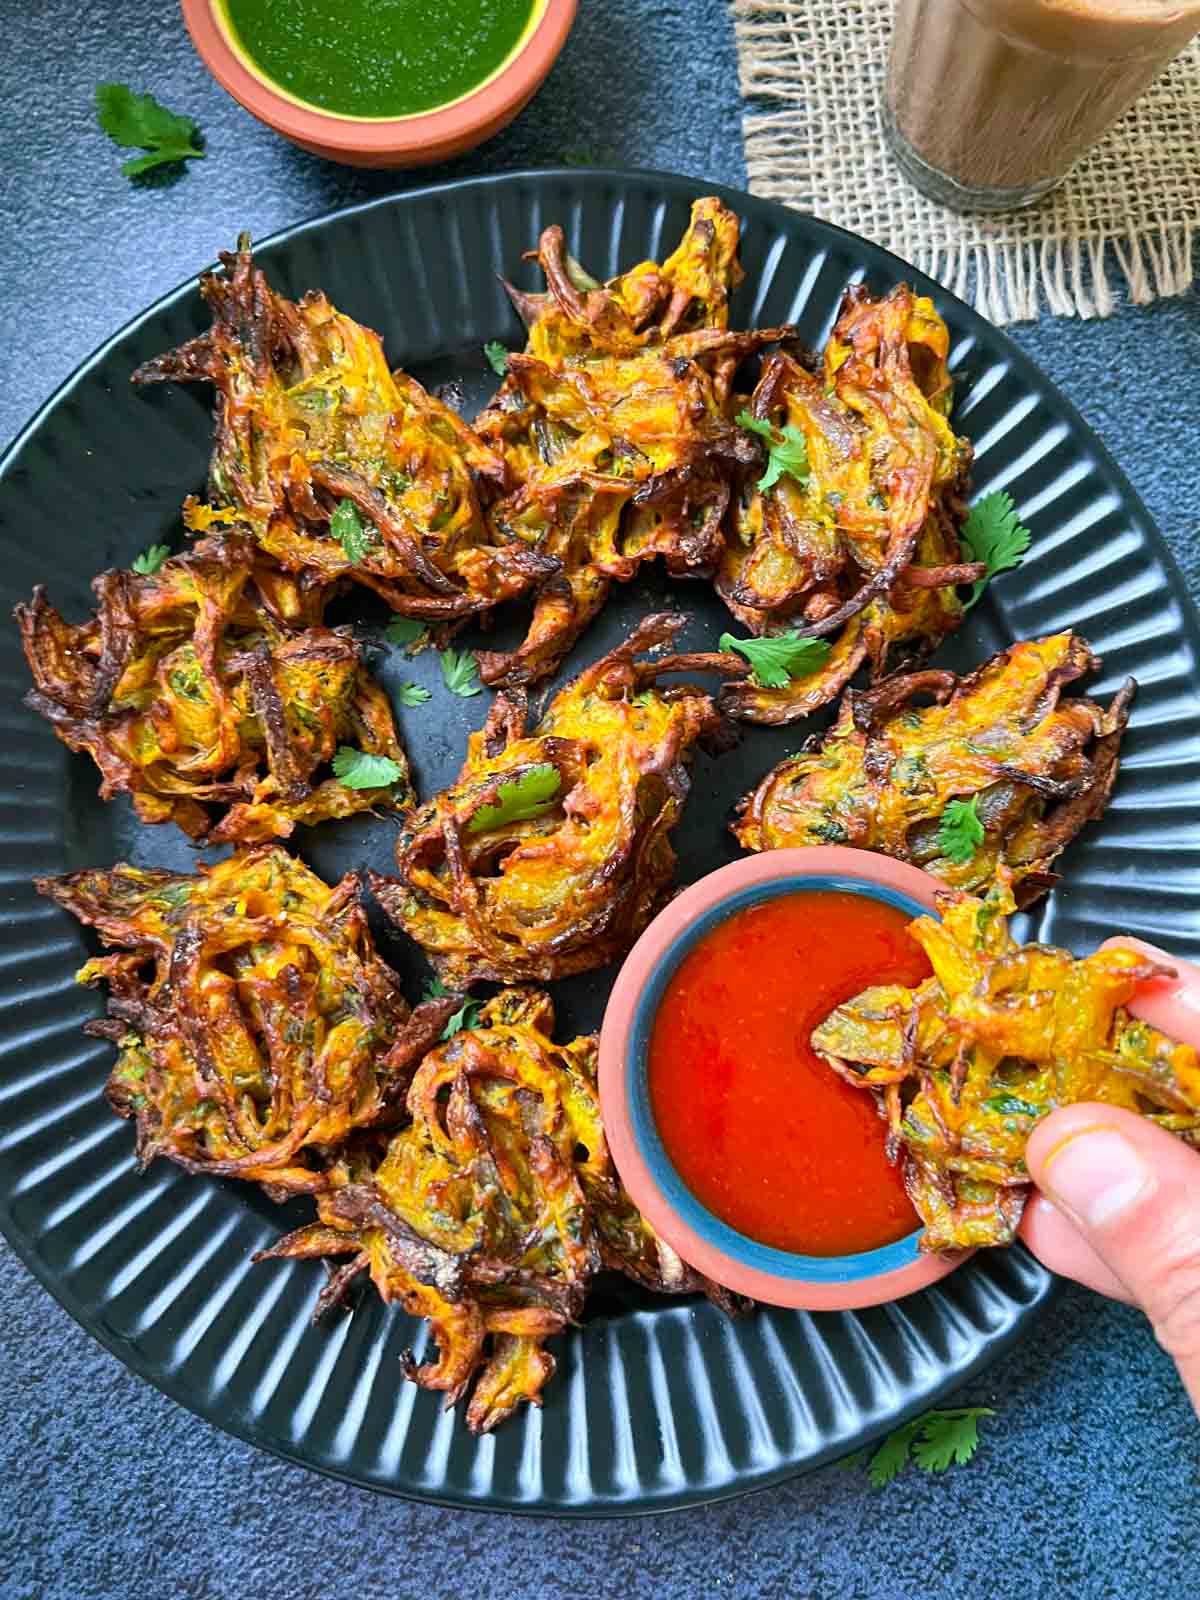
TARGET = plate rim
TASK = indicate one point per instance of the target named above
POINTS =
(668, 185)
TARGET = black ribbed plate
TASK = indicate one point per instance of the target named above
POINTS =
(656, 1403)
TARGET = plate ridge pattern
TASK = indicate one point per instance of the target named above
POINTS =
(653, 1406)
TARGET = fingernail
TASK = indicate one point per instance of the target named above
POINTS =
(1097, 1175)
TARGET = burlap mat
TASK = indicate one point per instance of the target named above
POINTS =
(814, 69)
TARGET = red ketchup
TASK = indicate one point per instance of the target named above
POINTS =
(760, 1129)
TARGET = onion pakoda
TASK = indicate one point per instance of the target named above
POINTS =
(337, 464)
(1024, 769)
(614, 422)
(967, 1064)
(857, 540)
(208, 692)
(552, 851)
(256, 1024)
(492, 1212)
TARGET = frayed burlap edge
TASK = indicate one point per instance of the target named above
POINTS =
(1126, 214)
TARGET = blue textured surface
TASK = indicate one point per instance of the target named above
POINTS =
(1087, 1481)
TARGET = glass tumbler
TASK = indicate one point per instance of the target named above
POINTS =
(989, 103)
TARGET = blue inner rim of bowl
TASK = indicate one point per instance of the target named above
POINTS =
(762, 1257)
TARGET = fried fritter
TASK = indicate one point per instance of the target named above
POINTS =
(309, 417)
(864, 547)
(966, 1065)
(257, 1026)
(569, 882)
(1039, 767)
(491, 1213)
(614, 423)
(208, 692)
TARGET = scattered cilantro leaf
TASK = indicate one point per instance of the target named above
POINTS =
(1011, 1105)
(464, 1019)
(892, 1455)
(347, 528)
(948, 1438)
(403, 630)
(961, 832)
(497, 357)
(934, 1441)
(139, 122)
(412, 694)
(787, 450)
(150, 560)
(529, 795)
(358, 770)
(780, 658)
(994, 534)
(460, 672)
(461, 1021)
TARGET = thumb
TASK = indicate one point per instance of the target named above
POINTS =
(1132, 1192)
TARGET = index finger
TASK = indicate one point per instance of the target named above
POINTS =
(1169, 1004)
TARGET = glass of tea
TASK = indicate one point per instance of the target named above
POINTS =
(989, 103)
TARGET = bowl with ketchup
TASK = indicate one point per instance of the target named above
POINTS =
(748, 1154)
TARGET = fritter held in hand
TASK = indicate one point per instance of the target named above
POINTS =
(207, 692)
(967, 1064)
(858, 541)
(491, 1214)
(256, 1025)
(552, 851)
(1031, 767)
(615, 426)
(336, 463)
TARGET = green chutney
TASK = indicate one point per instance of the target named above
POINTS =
(378, 58)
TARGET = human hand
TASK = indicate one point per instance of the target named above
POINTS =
(1118, 1209)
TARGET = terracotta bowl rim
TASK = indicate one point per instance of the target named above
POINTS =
(814, 1283)
(483, 108)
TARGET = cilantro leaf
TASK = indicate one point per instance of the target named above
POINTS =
(787, 451)
(780, 658)
(497, 357)
(150, 560)
(961, 832)
(412, 694)
(347, 528)
(138, 121)
(892, 1455)
(947, 1438)
(530, 794)
(1011, 1105)
(936, 1440)
(994, 534)
(460, 672)
(403, 630)
(464, 1019)
(355, 769)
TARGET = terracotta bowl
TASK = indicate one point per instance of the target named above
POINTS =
(412, 141)
(815, 1283)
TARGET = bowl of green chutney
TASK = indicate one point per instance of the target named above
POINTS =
(381, 83)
